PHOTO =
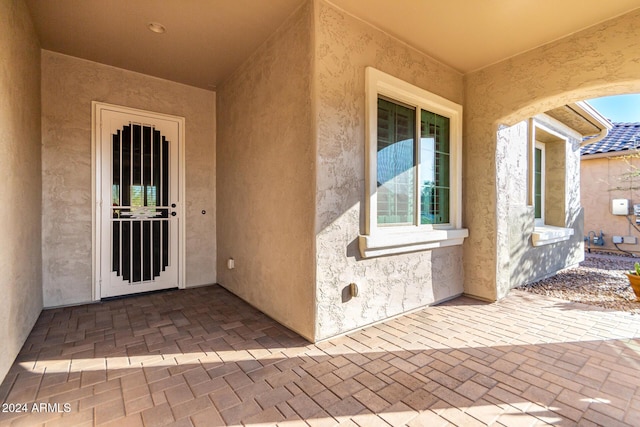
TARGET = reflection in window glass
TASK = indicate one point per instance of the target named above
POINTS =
(397, 166)
(434, 168)
(115, 195)
(395, 163)
(143, 195)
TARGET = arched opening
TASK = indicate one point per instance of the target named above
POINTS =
(538, 180)
(599, 61)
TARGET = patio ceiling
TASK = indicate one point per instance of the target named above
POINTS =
(206, 40)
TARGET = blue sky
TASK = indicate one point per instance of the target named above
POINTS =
(622, 108)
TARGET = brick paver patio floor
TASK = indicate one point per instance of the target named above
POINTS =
(202, 357)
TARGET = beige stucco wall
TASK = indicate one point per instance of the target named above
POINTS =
(390, 285)
(266, 182)
(601, 60)
(68, 86)
(605, 179)
(527, 263)
(20, 180)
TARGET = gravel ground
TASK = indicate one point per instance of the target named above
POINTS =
(598, 280)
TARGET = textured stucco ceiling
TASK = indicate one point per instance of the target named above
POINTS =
(207, 39)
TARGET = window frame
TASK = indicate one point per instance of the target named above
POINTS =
(543, 182)
(390, 239)
(543, 234)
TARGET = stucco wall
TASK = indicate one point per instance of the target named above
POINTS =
(20, 180)
(344, 46)
(601, 60)
(605, 179)
(68, 86)
(528, 263)
(266, 182)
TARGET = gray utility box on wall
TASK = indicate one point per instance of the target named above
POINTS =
(620, 206)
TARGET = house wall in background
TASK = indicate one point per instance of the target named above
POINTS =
(68, 86)
(20, 182)
(602, 180)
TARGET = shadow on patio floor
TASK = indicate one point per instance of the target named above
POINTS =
(204, 357)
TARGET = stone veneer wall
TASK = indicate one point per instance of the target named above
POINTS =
(599, 61)
(20, 182)
(391, 285)
(68, 86)
(266, 177)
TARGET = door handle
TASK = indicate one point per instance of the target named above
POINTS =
(173, 214)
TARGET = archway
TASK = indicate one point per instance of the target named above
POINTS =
(599, 61)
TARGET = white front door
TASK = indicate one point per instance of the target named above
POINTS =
(138, 200)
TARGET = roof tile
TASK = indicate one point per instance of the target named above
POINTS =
(623, 136)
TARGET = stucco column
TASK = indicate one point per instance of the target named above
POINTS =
(482, 213)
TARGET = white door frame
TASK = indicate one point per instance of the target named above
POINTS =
(96, 189)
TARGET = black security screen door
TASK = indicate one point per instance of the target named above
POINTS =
(140, 202)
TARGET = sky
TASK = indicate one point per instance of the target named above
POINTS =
(618, 109)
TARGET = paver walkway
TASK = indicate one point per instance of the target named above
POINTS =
(202, 357)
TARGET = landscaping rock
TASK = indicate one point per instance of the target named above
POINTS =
(599, 280)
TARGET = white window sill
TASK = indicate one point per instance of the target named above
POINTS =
(548, 234)
(391, 243)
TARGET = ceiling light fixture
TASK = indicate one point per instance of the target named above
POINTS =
(156, 27)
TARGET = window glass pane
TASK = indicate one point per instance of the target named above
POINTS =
(434, 168)
(137, 196)
(151, 196)
(441, 133)
(537, 192)
(440, 206)
(395, 163)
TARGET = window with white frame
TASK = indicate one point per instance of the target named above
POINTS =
(548, 185)
(413, 168)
